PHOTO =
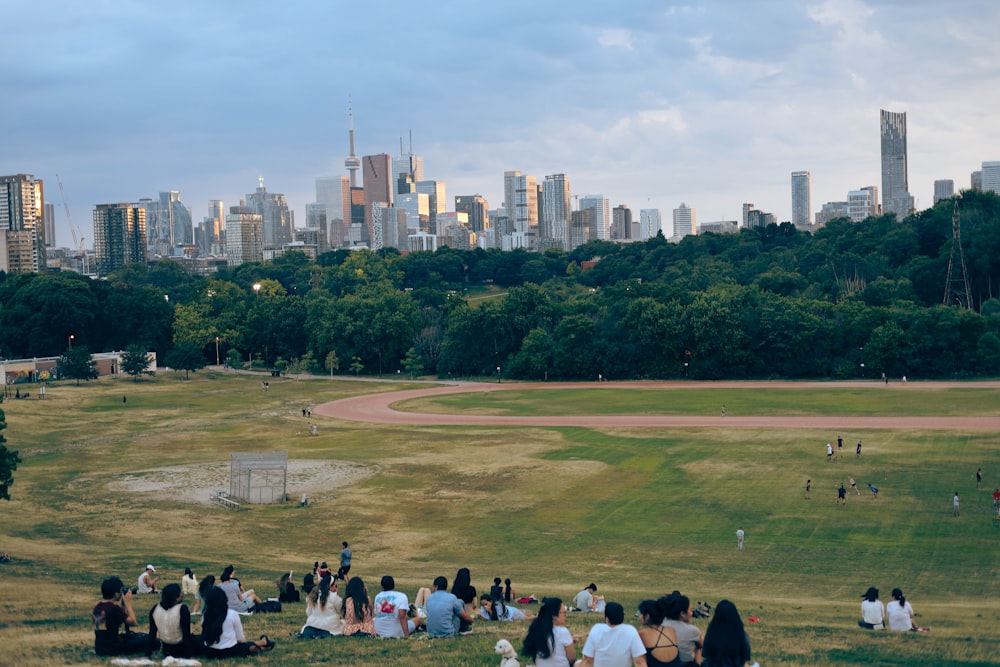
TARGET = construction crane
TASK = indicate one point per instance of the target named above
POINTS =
(77, 242)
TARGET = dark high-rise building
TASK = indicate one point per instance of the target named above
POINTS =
(278, 220)
(119, 236)
(478, 210)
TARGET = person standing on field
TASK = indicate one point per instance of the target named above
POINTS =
(345, 562)
(739, 538)
(979, 478)
(955, 503)
(809, 483)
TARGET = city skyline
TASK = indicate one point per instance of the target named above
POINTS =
(713, 104)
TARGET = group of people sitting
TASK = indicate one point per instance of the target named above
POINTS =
(898, 614)
(666, 637)
(221, 635)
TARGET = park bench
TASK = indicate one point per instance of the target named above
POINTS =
(221, 497)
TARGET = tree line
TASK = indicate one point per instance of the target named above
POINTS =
(850, 300)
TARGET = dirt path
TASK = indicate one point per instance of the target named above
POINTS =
(377, 409)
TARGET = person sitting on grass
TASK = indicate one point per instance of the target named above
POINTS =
(222, 630)
(286, 589)
(390, 610)
(613, 642)
(240, 601)
(549, 642)
(443, 608)
(324, 610)
(660, 640)
(358, 619)
(112, 614)
(677, 612)
(586, 600)
(726, 641)
(189, 587)
(495, 610)
(900, 613)
(172, 621)
(872, 611)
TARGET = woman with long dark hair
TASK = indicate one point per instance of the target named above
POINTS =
(549, 642)
(660, 640)
(677, 609)
(358, 619)
(323, 611)
(726, 641)
(172, 621)
(463, 589)
(222, 630)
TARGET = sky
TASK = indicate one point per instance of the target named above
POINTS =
(649, 102)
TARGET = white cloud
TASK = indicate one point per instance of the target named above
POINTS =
(618, 37)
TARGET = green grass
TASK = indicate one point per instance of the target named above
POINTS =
(869, 400)
(639, 511)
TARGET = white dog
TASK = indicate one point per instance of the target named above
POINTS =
(505, 649)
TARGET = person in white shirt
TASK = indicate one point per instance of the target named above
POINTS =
(147, 582)
(613, 643)
(872, 611)
(324, 611)
(222, 630)
(390, 611)
(586, 600)
(900, 613)
(549, 642)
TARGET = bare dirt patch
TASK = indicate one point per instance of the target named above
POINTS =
(196, 483)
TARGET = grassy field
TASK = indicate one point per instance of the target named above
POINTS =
(638, 511)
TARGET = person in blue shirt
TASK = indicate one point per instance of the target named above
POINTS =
(443, 610)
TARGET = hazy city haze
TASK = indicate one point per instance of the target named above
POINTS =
(647, 102)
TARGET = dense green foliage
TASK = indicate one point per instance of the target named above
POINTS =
(851, 299)
(8, 461)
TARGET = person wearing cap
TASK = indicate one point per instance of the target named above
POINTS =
(147, 582)
(872, 611)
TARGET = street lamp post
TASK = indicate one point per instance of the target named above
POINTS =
(70, 339)
(216, 350)
(498, 375)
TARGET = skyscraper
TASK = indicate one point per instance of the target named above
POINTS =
(601, 222)
(50, 225)
(991, 177)
(119, 236)
(896, 196)
(437, 200)
(22, 221)
(801, 202)
(407, 166)
(521, 201)
(278, 221)
(685, 221)
(621, 223)
(244, 236)
(650, 222)
(477, 208)
(333, 197)
(943, 189)
(556, 210)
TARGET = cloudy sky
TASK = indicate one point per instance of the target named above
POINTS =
(648, 102)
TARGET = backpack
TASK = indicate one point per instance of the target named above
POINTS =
(267, 607)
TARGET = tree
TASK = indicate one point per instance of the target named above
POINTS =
(357, 366)
(185, 357)
(413, 363)
(135, 361)
(8, 462)
(76, 363)
(332, 362)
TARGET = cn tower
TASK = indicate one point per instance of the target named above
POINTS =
(353, 162)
